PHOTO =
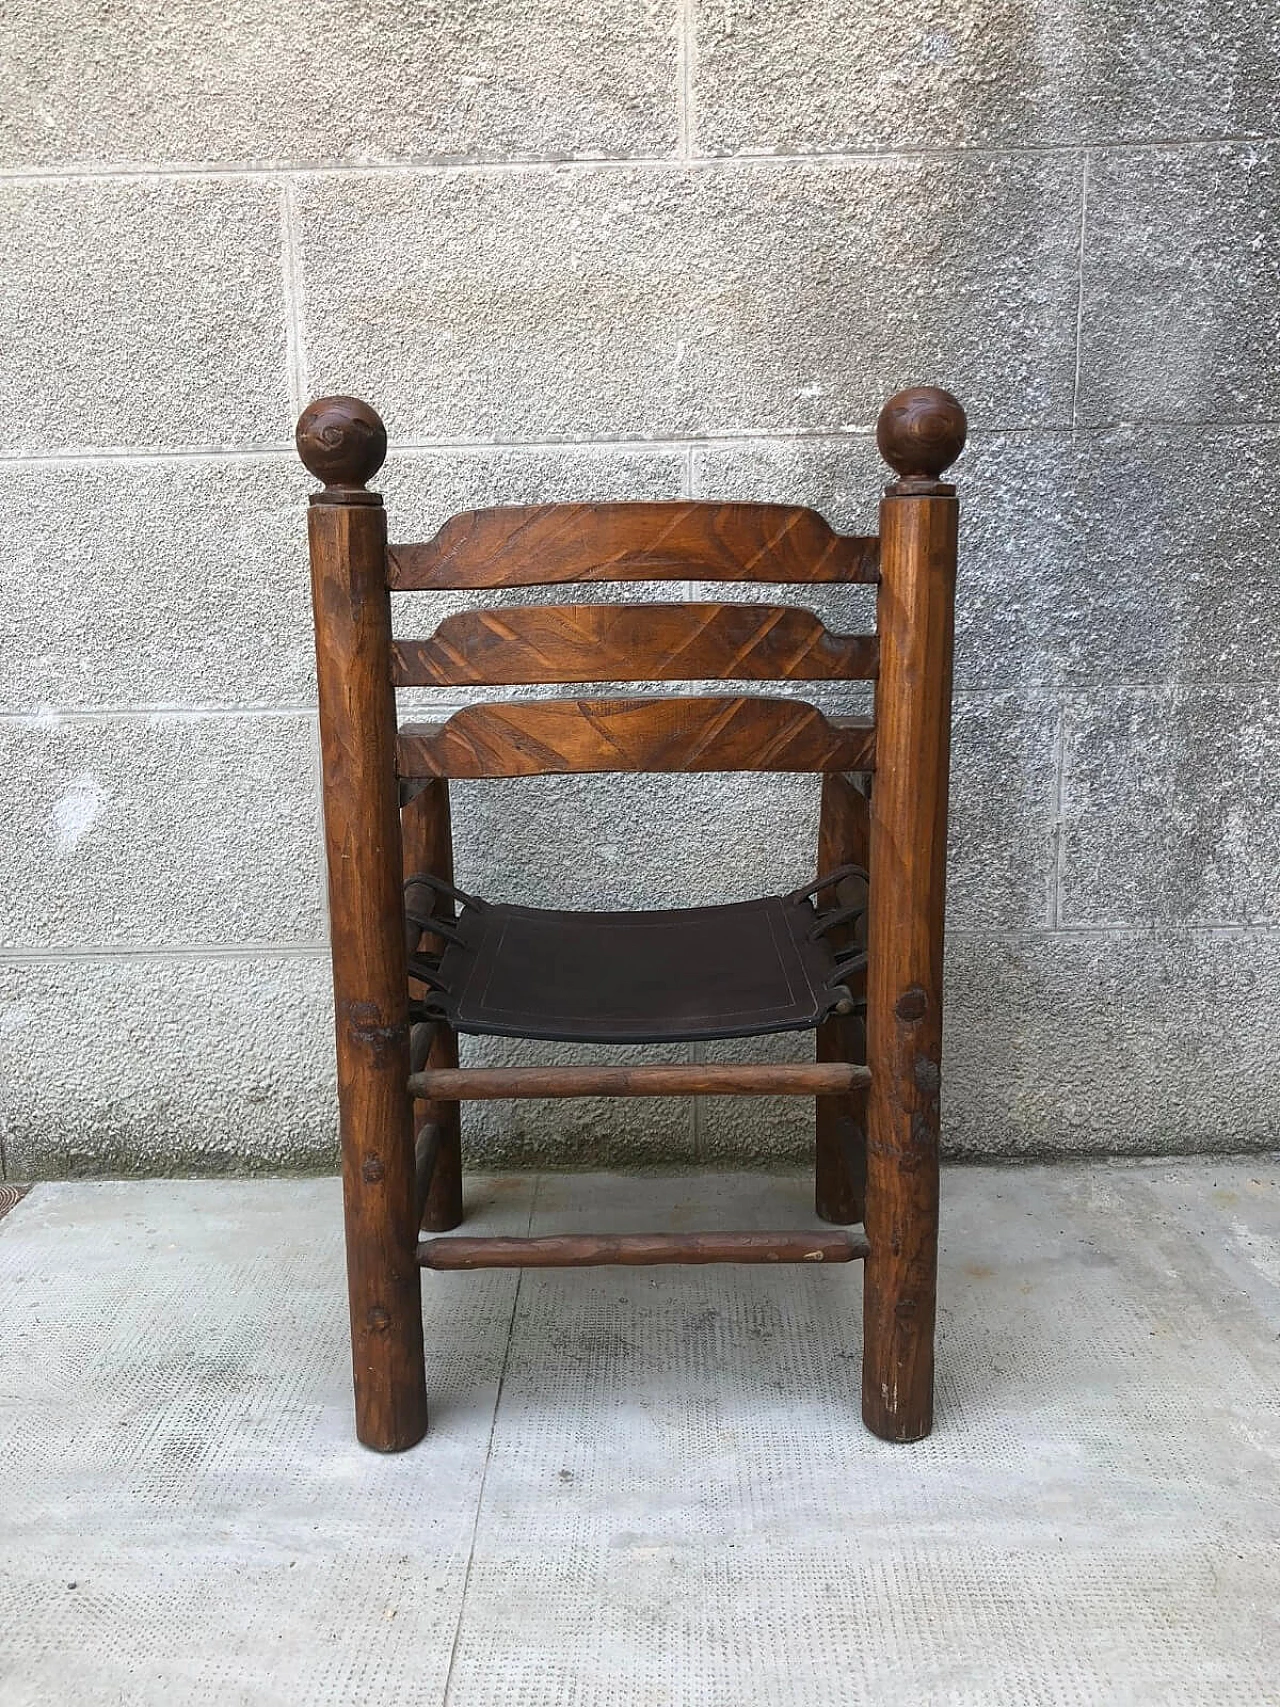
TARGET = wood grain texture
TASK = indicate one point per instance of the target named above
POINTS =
(343, 442)
(427, 839)
(426, 1156)
(840, 1154)
(777, 1078)
(370, 984)
(904, 978)
(920, 433)
(552, 737)
(643, 1250)
(537, 545)
(632, 643)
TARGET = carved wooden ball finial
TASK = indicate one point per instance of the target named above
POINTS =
(921, 432)
(343, 442)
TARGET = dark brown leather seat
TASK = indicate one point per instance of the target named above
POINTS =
(682, 975)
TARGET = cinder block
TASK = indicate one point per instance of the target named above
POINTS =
(1181, 307)
(135, 1066)
(160, 831)
(144, 314)
(1092, 1044)
(348, 81)
(657, 301)
(1136, 555)
(1169, 807)
(175, 582)
(834, 74)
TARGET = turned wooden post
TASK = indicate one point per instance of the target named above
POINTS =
(343, 443)
(920, 433)
(427, 833)
(841, 1154)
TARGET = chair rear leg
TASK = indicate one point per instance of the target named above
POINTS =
(840, 1173)
(841, 1144)
(427, 835)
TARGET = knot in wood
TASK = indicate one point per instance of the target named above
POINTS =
(911, 1004)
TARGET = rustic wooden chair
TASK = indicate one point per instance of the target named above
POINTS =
(415, 961)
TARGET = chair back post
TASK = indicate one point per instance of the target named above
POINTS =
(920, 433)
(343, 443)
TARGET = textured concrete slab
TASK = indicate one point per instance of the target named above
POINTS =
(652, 301)
(221, 1063)
(1133, 1042)
(1168, 807)
(166, 330)
(161, 830)
(346, 80)
(174, 582)
(1180, 310)
(830, 74)
(647, 1487)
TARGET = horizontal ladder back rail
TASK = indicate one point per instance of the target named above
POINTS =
(540, 545)
(632, 643)
(550, 737)
(596, 1250)
(778, 1078)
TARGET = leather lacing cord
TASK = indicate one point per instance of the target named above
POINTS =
(832, 877)
(425, 968)
(849, 960)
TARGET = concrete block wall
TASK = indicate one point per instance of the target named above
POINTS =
(637, 248)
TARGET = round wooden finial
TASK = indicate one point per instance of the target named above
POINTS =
(343, 442)
(920, 432)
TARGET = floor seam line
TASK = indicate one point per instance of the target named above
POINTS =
(484, 1474)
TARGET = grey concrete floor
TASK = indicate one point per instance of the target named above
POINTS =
(645, 1486)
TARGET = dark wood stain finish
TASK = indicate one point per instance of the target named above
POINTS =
(770, 1079)
(639, 1250)
(342, 442)
(394, 1080)
(918, 527)
(540, 545)
(841, 1151)
(550, 737)
(632, 643)
(427, 835)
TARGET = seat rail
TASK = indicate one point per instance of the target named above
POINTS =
(642, 1250)
(770, 1079)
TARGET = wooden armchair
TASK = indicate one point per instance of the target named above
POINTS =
(415, 961)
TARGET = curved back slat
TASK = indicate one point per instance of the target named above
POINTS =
(552, 737)
(544, 544)
(632, 643)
